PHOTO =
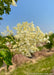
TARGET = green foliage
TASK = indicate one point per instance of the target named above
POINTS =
(1, 61)
(2, 40)
(51, 44)
(1, 18)
(10, 38)
(52, 38)
(6, 55)
(40, 48)
(5, 7)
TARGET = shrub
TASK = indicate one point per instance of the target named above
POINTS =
(27, 38)
(5, 54)
(51, 44)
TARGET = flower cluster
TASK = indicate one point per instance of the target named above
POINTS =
(7, 32)
(28, 38)
(14, 3)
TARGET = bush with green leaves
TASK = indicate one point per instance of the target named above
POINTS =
(51, 44)
(5, 54)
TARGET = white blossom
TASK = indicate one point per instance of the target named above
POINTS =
(14, 3)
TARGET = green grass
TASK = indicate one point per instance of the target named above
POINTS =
(43, 66)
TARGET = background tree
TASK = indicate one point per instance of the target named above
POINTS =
(51, 44)
(5, 6)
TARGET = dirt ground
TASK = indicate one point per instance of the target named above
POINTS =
(19, 59)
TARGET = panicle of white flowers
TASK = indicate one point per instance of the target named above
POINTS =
(50, 33)
(14, 3)
(27, 38)
(7, 32)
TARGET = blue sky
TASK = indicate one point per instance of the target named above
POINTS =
(41, 12)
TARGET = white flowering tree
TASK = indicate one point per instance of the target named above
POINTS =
(27, 38)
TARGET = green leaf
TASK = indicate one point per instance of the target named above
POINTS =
(7, 56)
